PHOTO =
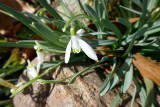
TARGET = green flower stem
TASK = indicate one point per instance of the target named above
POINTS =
(98, 64)
(53, 81)
(34, 79)
(75, 18)
(86, 69)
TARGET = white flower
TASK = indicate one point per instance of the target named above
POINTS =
(76, 44)
(40, 56)
(31, 70)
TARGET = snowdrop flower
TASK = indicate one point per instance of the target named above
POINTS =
(16, 86)
(76, 44)
(40, 56)
(31, 70)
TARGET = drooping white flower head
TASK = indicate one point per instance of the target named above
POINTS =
(31, 70)
(76, 44)
(40, 55)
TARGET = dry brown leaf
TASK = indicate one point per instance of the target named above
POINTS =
(133, 20)
(7, 23)
(147, 67)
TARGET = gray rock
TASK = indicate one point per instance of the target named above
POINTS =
(83, 92)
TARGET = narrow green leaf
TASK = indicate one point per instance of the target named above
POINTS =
(17, 44)
(65, 8)
(6, 83)
(33, 16)
(106, 84)
(152, 4)
(138, 3)
(47, 33)
(128, 4)
(143, 96)
(125, 22)
(8, 71)
(89, 10)
(109, 25)
(100, 10)
(114, 77)
(150, 92)
(131, 10)
(95, 43)
(152, 31)
(74, 18)
(46, 65)
(120, 73)
(141, 90)
(53, 81)
(96, 5)
(116, 100)
(127, 79)
(52, 48)
(97, 33)
(86, 69)
(144, 17)
(133, 96)
(135, 36)
(3, 103)
(123, 12)
(105, 8)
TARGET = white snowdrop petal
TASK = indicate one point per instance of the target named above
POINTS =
(38, 67)
(19, 84)
(87, 49)
(12, 89)
(80, 31)
(75, 44)
(68, 52)
(31, 69)
(35, 47)
(40, 56)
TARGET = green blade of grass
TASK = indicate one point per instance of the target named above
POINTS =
(131, 10)
(127, 79)
(91, 12)
(116, 100)
(134, 95)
